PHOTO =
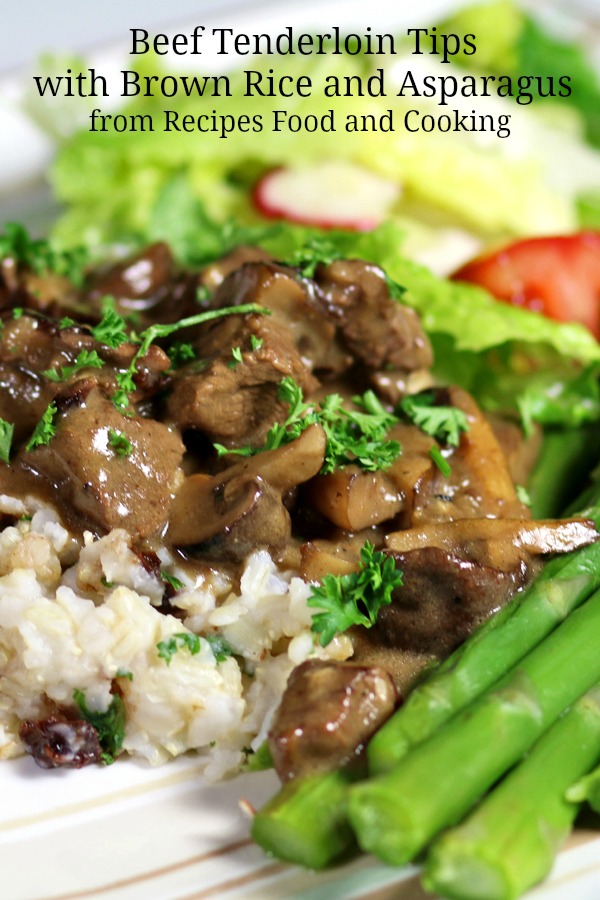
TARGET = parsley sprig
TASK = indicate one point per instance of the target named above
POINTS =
(6, 436)
(193, 642)
(39, 255)
(119, 442)
(316, 251)
(356, 598)
(45, 429)
(111, 330)
(86, 359)
(126, 380)
(353, 436)
(110, 724)
(445, 423)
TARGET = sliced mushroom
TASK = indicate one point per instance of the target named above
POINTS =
(242, 507)
(354, 499)
(500, 543)
(480, 483)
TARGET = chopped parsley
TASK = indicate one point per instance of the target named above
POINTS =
(172, 580)
(440, 461)
(202, 295)
(236, 357)
(124, 673)
(444, 423)
(180, 352)
(45, 429)
(17, 312)
(86, 359)
(39, 255)
(353, 436)
(125, 380)
(110, 724)
(523, 495)
(120, 443)
(219, 646)
(111, 330)
(356, 598)
(168, 649)
(256, 342)
(193, 642)
(6, 436)
(316, 251)
(66, 322)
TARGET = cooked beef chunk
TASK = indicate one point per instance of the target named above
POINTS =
(21, 288)
(60, 742)
(236, 402)
(443, 598)
(377, 330)
(216, 272)
(26, 348)
(35, 357)
(292, 304)
(148, 285)
(354, 499)
(95, 484)
(328, 712)
(230, 514)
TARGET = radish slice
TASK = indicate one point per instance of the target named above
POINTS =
(328, 195)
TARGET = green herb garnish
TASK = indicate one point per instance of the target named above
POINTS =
(356, 598)
(110, 724)
(256, 342)
(444, 423)
(353, 436)
(236, 357)
(316, 251)
(175, 583)
(39, 255)
(45, 429)
(111, 330)
(220, 647)
(168, 649)
(6, 436)
(440, 461)
(193, 642)
(86, 359)
(125, 380)
(119, 443)
(179, 353)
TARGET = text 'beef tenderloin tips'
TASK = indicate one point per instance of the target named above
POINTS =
(256, 405)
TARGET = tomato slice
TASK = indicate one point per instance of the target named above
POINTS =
(557, 276)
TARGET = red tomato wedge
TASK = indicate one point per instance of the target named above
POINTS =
(557, 276)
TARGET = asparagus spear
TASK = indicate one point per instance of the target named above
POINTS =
(586, 788)
(500, 643)
(396, 814)
(509, 843)
(564, 584)
(306, 821)
(560, 473)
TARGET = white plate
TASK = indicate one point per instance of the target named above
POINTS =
(129, 832)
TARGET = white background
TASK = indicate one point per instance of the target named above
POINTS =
(30, 28)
